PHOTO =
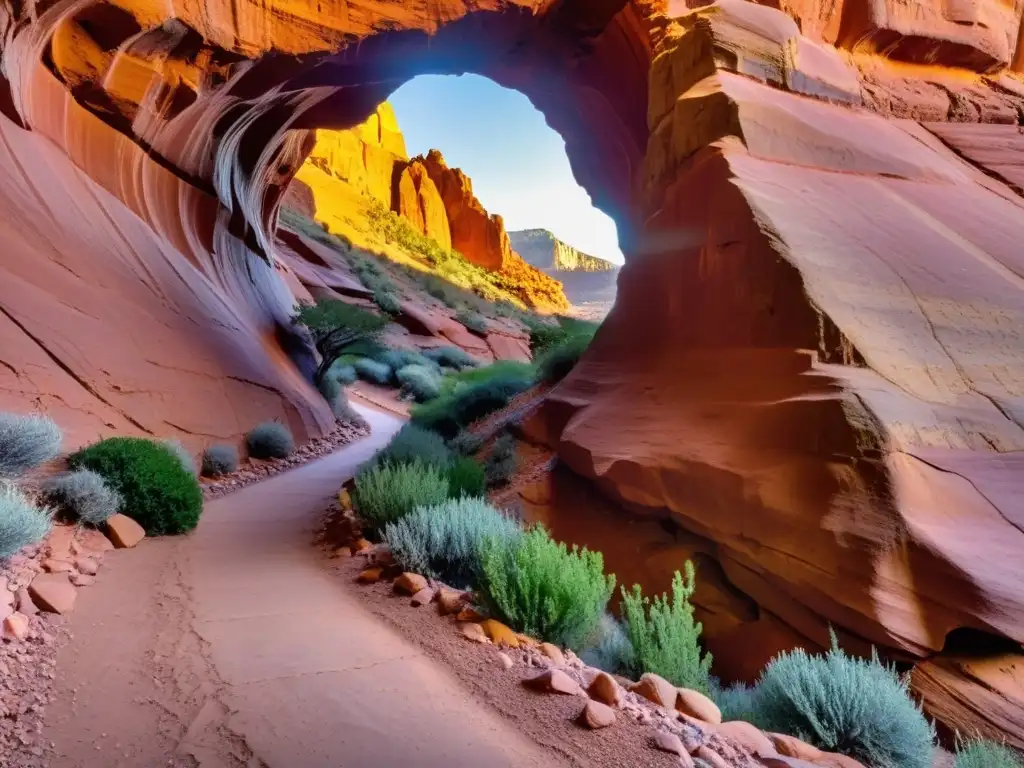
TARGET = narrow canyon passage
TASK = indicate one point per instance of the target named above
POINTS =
(234, 646)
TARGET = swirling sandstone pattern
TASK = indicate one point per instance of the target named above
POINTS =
(814, 367)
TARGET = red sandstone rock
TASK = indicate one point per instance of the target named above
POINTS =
(596, 715)
(553, 681)
(53, 593)
(369, 575)
(656, 689)
(16, 626)
(410, 583)
(603, 688)
(123, 531)
(499, 634)
(696, 704)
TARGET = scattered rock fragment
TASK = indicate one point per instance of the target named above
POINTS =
(410, 584)
(449, 601)
(473, 632)
(423, 597)
(360, 545)
(344, 499)
(499, 634)
(604, 689)
(505, 660)
(53, 593)
(23, 602)
(526, 641)
(697, 705)
(667, 741)
(57, 566)
(791, 746)
(124, 532)
(16, 626)
(597, 715)
(554, 653)
(553, 681)
(656, 689)
(87, 566)
(469, 614)
(82, 580)
(369, 576)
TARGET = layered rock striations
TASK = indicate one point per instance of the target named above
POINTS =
(814, 371)
(589, 282)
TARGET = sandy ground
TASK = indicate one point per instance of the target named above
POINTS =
(235, 646)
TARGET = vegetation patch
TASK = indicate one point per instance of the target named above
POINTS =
(84, 495)
(373, 372)
(220, 460)
(420, 381)
(465, 477)
(413, 443)
(27, 442)
(335, 326)
(502, 461)
(452, 412)
(986, 754)
(22, 523)
(161, 496)
(270, 440)
(451, 357)
(387, 492)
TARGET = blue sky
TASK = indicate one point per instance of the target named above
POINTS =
(517, 163)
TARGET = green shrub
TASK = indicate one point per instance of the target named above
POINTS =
(413, 443)
(22, 523)
(421, 382)
(453, 412)
(445, 541)
(465, 477)
(737, 702)
(329, 386)
(157, 492)
(472, 321)
(372, 371)
(502, 462)
(451, 357)
(83, 494)
(544, 335)
(986, 754)
(388, 302)
(343, 411)
(537, 586)
(182, 454)
(609, 649)
(387, 492)
(502, 369)
(270, 440)
(400, 358)
(664, 635)
(858, 707)
(335, 326)
(220, 460)
(344, 374)
(465, 443)
(555, 363)
(27, 442)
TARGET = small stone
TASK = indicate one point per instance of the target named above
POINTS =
(370, 576)
(423, 597)
(667, 741)
(656, 689)
(382, 556)
(603, 688)
(469, 614)
(554, 653)
(505, 660)
(57, 566)
(711, 757)
(87, 566)
(499, 633)
(82, 580)
(16, 626)
(697, 705)
(597, 715)
(53, 593)
(553, 681)
(473, 632)
(410, 583)
(449, 601)
(360, 545)
(748, 736)
(24, 604)
(124, 532)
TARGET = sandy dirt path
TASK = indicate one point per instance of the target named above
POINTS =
(235, 646)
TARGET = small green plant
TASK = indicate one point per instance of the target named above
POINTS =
(555, 362)
(664, 635)
(505, 370)
(373, 372)
(472, 321)
(445, 541)
(270, 440)
(980, 753)
(465, 477)
(540, 587)
(465, 443)
(858, 707)
(413, 443)
(388, 302)
(160, 495)
(26, 442)
(184, 457)
(22, 523)
(609, 649)
(421, 382)
(344, 374)
(83, 494)
(453, 412)
(220, 460)
(335, 326)
(387, 492)
(502, 461)
(451, 357)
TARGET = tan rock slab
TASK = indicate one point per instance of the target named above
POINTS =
(370, 576)
(53, 593)
(656, 689)
(604, 689)
(473, 632)
(449, 601)
(423, 597)
(596, 715)
(748, 736)
(87, 566)
(554, 653)
(124, 532)
(410, 583)
(16, 626)
(553, 681)
(696, 704)
(51, 565)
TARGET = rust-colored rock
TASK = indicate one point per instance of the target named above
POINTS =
(499, 633)
(421, 203)
(696, 704)
(554, 653)
(603, 688)
(124, 532)
(473, 632)
(596, 715)
(450, 601)
(553, 681)
(410, 584)
(423, 597)
(15, 626)
(656, 689)
(53, 593)
(370, 575)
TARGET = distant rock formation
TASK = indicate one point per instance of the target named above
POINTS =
(589, 282)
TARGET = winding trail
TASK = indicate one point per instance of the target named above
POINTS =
(235, 646)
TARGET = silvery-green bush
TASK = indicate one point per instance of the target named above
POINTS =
(182, 455)
(220, 460)
(26, 442)
(83, 494)
(270, 440)
(21, 522)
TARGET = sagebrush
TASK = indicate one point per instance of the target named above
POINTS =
(220, 460)
(451, 357)
(465, 443)
(664, 635)
(421, 382)
(473, 321)
(372, 371)
(26, 442)
(980, 753)
(22, 523)
(555, 362)
(157, 491)
(446, 541)
(83, 494)
(386, 492)
(343, 411)
(736, 702)
(502, 461)
(453, 412)
(270, 440)
(538, 586)
(465, 477)
(414, 443)
(609, 648)
(838, 703)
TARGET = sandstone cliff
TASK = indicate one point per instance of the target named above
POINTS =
(546, 252)
(814, 371)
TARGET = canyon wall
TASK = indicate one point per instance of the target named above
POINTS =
(813, 376)
(545, 251)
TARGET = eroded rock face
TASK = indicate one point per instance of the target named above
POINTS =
(814, 368)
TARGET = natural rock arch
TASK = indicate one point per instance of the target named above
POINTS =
(814, 365)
